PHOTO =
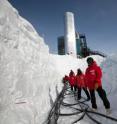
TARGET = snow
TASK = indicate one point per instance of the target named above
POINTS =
(109, 81)
(30, 77)
(26, 71)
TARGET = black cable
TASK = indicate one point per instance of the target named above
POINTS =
(69, 114)
(82, 102)
(79, 102)
(103, 115)
(81, 117)
(97, 122)
(83, 108)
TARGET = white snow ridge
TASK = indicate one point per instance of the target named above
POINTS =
(26, 70)
(30, 77)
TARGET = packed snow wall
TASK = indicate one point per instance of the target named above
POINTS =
(25, 76)
(109, 74)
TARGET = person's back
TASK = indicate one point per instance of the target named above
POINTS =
(72, 80)
(81, 84)
(65, 79)
(80, 80)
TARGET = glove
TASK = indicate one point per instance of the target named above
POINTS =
(96, 86)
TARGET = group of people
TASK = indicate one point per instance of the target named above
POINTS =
(89, 82)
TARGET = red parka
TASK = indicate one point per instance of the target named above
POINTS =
(65, 79)
(93, 75)
(80, 81)
(72, 80)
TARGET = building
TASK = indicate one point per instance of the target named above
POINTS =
(81, 45)
(72, 42)
(61, 45)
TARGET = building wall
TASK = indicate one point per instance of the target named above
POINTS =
(81, 46)
(78, 47)
(61, 46)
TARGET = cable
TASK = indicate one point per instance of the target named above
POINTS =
(97, 122)
(83, 110)
(82, 116)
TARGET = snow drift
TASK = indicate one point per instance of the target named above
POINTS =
(26, 71)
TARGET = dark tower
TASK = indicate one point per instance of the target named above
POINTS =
(61, 45)
(83, 44)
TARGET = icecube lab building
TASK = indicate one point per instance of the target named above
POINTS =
(72, 42)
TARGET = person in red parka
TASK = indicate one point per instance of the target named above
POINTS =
(65, 79)
(93, 80)
(81, 84)
(72, 80)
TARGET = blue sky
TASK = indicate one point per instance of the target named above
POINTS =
(96, 18)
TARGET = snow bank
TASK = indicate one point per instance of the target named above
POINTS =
(110, 79)
(26, 72)
(65, 63)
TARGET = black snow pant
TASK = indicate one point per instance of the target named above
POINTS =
(73, 88)
(103, 96)
(86, 92)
